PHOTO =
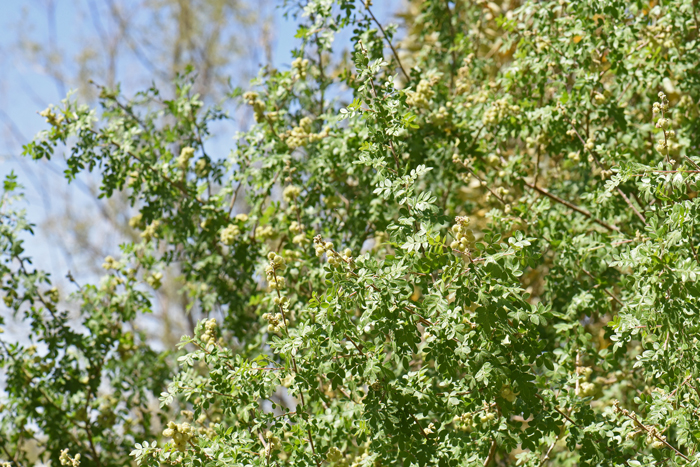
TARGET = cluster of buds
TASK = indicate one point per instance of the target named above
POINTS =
(201, 168)
(136, 221)
(301, 135)
(150, 231)
(291, 193)
(277, 263)
(52, 295)
(660, 108)
(499, 111)
(441, 114)
(275, 321)
(299, 235)
(209, 334)
(599, 98)
(321, 246)
(423, 94)
(51, 117)
(463, 82)
(180, 433)
(65, 459)
(273, 443)
(464, 422)
(154, 280)
(252, 98)
(334, 455)
(464, 237)
(110, 263)
(585, 388)
(229, 234)
(300, 67)
(264, 232)
(334, 258)
(655, 440)
(184, 158)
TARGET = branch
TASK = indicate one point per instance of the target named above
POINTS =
(571, 206)
(393, 50)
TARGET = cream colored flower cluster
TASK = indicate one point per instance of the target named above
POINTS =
(150, 231)
(334, 258)
(273, 443)
(264, 232)
(499, 111)
(464, 237)
(184, 158)
(209, 334)
(229, 234)
(423, 94)
(277, 264)
(585, 388)
(252, 98)
(300, 67)
(301, 135)
(65, 459)
(275, 321)
(299, 235)
(665, 143)
(463, 82)
(181, 434)
(291, 193)
(51, 117)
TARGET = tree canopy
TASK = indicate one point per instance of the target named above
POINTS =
(471, 246)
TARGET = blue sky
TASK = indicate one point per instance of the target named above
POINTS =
(25, 89)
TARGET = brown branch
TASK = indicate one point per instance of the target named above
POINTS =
(571, 206)
(393, 50)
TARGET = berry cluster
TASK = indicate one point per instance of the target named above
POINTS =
(180, 433)
(464, 237)
(277, 263)
(464, 422)
(508, 394)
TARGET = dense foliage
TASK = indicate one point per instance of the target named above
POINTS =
(476, 247)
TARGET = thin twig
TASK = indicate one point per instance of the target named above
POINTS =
(393, 50)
